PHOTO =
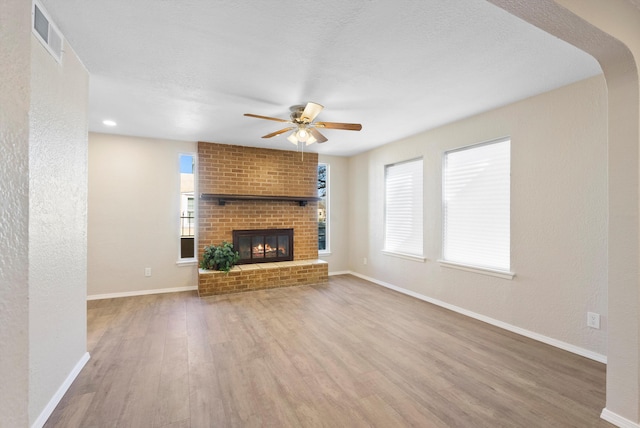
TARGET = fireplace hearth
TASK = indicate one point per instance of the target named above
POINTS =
(263, 245)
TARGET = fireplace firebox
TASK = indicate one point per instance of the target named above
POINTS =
(263, 245)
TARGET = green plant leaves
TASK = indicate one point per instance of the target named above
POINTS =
(222, 257)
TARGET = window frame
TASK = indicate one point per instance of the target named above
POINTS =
(465, 265)
(188, 261)
(327, 228)
(385, 248)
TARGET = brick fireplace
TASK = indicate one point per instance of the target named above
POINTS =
(246, 188)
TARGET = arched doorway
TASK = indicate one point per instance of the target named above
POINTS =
(610, 32)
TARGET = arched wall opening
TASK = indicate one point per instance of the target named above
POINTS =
(610, 32)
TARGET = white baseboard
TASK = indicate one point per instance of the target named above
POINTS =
(521, 331)
(51, 406)
(141, 292)
(340, 272)
(617, 420)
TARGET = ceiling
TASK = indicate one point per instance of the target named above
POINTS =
(189, 69)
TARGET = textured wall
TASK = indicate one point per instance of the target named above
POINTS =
(620, 60)
(610, 32)
(558, 214)
(57, 222)
(15, 51)
(226, 169)
(134, 210)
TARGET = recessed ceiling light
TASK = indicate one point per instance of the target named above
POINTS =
(109, 122)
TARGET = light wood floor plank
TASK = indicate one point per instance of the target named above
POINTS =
(345, 354)
(172, 401)
(71, 412)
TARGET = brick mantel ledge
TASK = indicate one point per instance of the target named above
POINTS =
(262, 276)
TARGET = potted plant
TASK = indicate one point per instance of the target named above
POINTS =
(222, 257)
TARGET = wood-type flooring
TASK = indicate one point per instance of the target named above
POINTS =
(346, 354)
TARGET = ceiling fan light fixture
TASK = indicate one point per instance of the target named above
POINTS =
(302, 135)
(303, 125)
(292, 138)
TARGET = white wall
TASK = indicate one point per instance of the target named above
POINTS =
(338, 258)
(57, 222)
(134, 209)
(558, 215)
(15, 51)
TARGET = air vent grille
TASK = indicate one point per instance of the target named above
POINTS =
(46, 32)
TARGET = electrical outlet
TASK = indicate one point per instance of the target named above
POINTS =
(364, 261)
(147, 271)
(593, 320)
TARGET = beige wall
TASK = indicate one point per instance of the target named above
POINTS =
(338, 256)
(610, 31)
(57, 224)
(127, 171)
(15, 51)
(134, 208)
(620, 61)
(558, 215)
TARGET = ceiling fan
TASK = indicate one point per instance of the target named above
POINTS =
(302, 125)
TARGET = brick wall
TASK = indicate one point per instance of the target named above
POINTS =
(262, 276)
(238, 170)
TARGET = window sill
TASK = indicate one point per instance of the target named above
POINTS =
(405, 256)
(504, 274)
(324, 253)
(187, 262)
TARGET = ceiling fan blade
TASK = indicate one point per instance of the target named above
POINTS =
(310, 112)
(267, 117)
(317, 135)
(282, 131)
(337, 125)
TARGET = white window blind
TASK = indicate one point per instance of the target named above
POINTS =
(477, 212)
(403, 208)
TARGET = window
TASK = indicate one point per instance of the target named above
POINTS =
(187, 207)
(323, 207)
(476, 205)
(403, 208)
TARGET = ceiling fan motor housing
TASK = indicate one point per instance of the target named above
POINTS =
(296, 113)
